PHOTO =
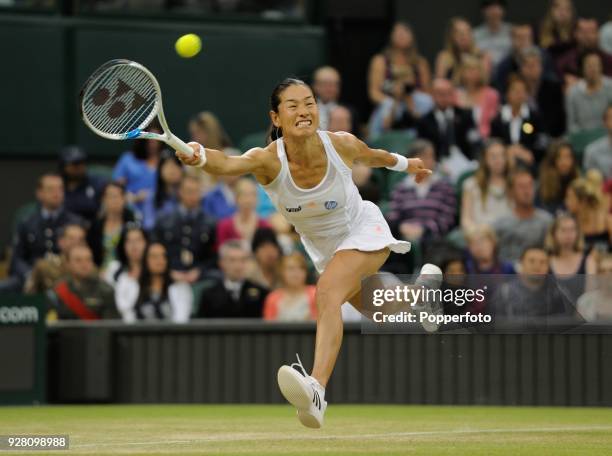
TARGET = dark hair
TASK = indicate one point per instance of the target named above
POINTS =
(115, 184)
(530, 247)
(160, 189)
(418, 146)
(144, 281)
(139, 149)
(518, 171)
(486, 3)
(273, 132)
(584, 56)
(264, 236)
(120, 248)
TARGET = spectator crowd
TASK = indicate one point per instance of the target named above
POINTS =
(514, 119)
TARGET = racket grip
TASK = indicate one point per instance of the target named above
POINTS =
(179, 145)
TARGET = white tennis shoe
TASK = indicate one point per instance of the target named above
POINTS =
(304, 393)
(430, 277)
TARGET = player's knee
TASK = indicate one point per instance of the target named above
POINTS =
(328, 296)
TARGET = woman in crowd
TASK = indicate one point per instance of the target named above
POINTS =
(155, 296)
(459, 44)
(568, 259)
(295, 301)
(169, 174)
(206, 129)
(596, 304)
(482, 252)
(137, 170)
(130, 251)
(245, 221)
(585, 201)
(474, 93)
(556, 33)
(557, 171)
(485, 195)
(520, 126)
(266, 254)
(105, 231)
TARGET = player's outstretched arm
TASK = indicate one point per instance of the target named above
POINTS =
(217, 163)
(352, 148)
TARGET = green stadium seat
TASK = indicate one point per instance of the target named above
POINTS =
(393, 141)
(253, 140)
(459, 185)
(198, 290)
(581, 139)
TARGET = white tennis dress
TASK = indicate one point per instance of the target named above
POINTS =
(330, 216)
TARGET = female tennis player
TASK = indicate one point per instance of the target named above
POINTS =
(307, 174)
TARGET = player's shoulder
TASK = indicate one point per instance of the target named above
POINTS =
(343, 141)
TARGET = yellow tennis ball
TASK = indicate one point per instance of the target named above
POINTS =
(188, 46)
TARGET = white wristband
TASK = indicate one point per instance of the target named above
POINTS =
(202, 161)
(401, 165)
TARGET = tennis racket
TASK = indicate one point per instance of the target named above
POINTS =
(120, 99)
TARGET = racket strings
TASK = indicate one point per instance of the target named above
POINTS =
(111, 101)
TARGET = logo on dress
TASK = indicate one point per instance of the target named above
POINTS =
(293, 209)
(329, 205)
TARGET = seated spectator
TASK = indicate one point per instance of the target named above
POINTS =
(598, 154)
(485, 198)
(596, 304)
(220, 201)
(475, 94)
(399, 63)
(245, 221)
(82, 190)
(519, 126)
(568, 259)
(36, 236)
(482, 252)
(556, 33)
(586, 34)
(137, 170)
(48, 271)
(155, 296)
(585, 201)
(522, 39)
(130, 251)
(456, 278)
(170, 171)
(103, 236)
(341, 119)
(447, 126)
(533, 293)
(326, 84)
(427, 210)
(206, 129)
(493, 35)
(545, 95)
(83, 295)
(588, 99)
(398, 81)
(295, 301)
(188, 235)
(401, 111)
(266, 254)
(459, 43)
(557, 171)
(526, 225)
(234, 296)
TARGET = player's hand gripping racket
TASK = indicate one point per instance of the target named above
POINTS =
(120, 99)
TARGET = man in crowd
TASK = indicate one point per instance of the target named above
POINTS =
(526, 225)
(587, 100)
(36, 236)
(326, 85)
(82, 190)
(598, 154)
(83, 295)
(493, 36)
(234, 296)
(188, 235)
(48, 271)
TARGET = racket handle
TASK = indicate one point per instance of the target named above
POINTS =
(179, 145)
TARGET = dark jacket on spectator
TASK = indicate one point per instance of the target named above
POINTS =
(84, 200)
(91, 299)
(464, 130)
(95, 235)
(36, 236)
(550, 105)
(218, 302)
(569, 63)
